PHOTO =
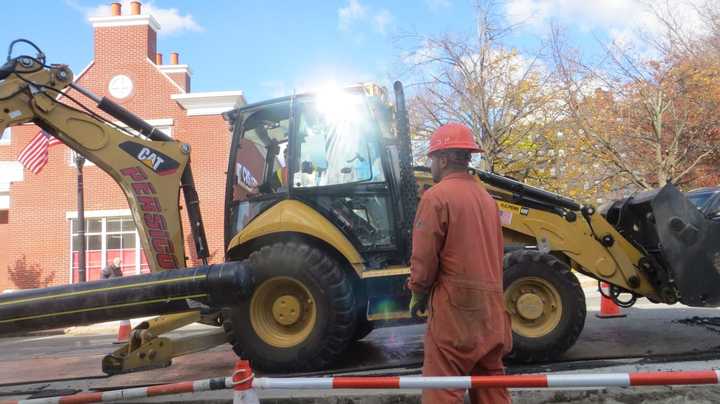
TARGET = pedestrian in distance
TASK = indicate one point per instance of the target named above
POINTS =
(113, 270)
(456, 272)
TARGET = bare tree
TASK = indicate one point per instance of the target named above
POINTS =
(504, 97)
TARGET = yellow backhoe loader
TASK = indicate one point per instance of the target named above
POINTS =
(320, 199)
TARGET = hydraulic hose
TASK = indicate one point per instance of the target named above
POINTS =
(218, 285)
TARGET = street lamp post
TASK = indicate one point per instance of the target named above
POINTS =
(80, 162)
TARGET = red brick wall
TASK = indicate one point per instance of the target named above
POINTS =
(37, 233)
(182, 79)
(4, 235)
(122, 43)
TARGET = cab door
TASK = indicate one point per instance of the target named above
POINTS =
(258, 175)
(338, 168)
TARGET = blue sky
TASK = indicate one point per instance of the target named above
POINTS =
(270, 48)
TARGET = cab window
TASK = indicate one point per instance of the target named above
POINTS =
(261, 160)
(338, 143)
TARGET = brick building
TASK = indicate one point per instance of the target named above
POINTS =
(38, 212)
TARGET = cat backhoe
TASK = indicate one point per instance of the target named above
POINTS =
(320, 199)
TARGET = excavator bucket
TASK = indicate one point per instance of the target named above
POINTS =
(681, 245)
(690, 244)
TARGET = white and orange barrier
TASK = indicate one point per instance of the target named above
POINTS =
(245, 384)
(219, 383)
(514, 381)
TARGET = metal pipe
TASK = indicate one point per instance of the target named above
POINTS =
(84, 91)
(523, 190)
(165, 292)
(192, 204)
(122, 114)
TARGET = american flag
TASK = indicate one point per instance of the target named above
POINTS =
(35, 155)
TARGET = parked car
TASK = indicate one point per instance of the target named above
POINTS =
(701, 197)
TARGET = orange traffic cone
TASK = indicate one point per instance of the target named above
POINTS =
(123, 332)
(242, 384)
(608, 308)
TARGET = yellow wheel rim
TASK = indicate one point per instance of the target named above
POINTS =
(282, 312)
(535, 306)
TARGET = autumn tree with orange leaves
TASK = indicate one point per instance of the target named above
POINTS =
(646, 121)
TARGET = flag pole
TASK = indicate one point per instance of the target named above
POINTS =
(79, 162)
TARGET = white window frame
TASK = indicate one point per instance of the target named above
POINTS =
(104, 215)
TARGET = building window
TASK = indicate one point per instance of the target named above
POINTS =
(107, 238)
(5, 137)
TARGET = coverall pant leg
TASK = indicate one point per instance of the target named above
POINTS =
(439, 363)
(490, 365)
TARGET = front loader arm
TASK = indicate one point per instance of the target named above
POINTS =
(150, 172)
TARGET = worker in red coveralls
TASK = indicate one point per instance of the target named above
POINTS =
(456, 266)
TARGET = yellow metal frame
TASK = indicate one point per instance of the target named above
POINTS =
(147, 350)
(615, 264)
(576, 240)
(294, 216)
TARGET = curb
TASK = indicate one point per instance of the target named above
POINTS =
(42, 333)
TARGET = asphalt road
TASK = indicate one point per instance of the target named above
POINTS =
(648, 334)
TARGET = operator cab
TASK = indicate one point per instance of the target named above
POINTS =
(334, 151)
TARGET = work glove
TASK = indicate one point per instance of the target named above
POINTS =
(418, 304)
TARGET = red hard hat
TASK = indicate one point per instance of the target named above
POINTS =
(453, 136)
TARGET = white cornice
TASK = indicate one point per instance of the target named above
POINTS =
(175, 69)
(209, 103)
(182, 90)
(124, 21)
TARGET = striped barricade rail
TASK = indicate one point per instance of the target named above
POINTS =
(245, 384)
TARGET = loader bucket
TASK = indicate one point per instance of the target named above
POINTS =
(690, 244)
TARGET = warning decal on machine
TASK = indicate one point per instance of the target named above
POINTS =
(505, 217)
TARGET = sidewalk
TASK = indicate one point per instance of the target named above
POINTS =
(586, 283)
(111, 327)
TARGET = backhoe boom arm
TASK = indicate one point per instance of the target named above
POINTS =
(150, 168)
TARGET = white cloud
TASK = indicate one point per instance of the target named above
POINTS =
(171, 20)
(381, 20)
(437, 4)
(350, 14)
(355, 16)
(620, 18)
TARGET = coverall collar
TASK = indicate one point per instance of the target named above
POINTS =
(464, 175)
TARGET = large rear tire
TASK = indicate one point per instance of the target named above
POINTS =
(364, 327)
(546, 305)
(301, 315)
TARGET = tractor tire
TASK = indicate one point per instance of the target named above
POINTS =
(301, 315)
(546, 306)
(364, 327)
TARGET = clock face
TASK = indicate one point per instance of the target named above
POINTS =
(120, 86)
